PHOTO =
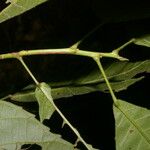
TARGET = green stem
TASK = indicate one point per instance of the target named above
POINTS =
(97, 59)
(68, 51)
(27, 69)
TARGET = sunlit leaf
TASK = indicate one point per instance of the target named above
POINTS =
(18, 127)
(132, 127)
(17, 7)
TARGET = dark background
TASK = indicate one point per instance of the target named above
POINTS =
(58, 24)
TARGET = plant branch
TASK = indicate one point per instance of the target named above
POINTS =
(97, 59)
(68, 51)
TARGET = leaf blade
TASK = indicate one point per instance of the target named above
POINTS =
(69, 91)
(132, 126)
(46, 108)
(116, 71)
(120, 74)
(18, 7)
(18, 127)
(143, 41)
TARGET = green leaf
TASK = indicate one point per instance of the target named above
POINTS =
(116, 71)
(18, 7)
(18, 127)
(132, 127)
(24, 96)
(144, 41)
(44, 98)
(118, 86)
(120, 74)
(69, 91)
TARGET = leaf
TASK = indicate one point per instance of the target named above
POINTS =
(118, 86)
(116, 71)
(18, 7)
(18, 127)
(144, 41)
(69, 91)
(120, 75)
(132, 127)
(44, 98)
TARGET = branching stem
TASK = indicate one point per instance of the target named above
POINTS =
(73, 50)
(68, 51)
